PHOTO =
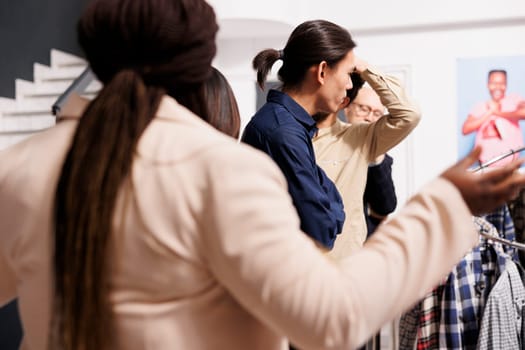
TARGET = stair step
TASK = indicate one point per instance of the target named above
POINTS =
(27, 112)
(6, 103)
(43, 73)
(53, 87)
(45, 101)
(31, 111)
(63, 59)
(26, 123)
(26, 107)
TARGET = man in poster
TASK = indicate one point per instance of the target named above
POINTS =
(497, 121)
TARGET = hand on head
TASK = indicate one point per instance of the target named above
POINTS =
(357, 84)
(484, 192)
(360, 65)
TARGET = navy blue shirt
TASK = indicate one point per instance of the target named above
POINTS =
(284, 130)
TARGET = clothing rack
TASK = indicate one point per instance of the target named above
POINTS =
(498, 158)
(517, 245)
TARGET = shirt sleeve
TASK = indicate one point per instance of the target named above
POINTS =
(402, 117)
(255, 249)
(380, 192)
(314, 195)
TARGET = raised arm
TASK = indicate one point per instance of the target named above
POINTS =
(402, 117)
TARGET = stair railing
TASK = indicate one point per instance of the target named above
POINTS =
(78, 85)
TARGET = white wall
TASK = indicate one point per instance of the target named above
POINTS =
(371, 13)
(423, 42)
(432, 58)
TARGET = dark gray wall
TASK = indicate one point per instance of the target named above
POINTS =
(29, 29)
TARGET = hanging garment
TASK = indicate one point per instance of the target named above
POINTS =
(419, 327)
(502, 220)
(449, 316)
(470, 282)
(465, 294)
(517, 212)
(428, 333)
(502, 322)
(408, 328)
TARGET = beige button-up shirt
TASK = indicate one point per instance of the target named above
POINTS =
(344, 151)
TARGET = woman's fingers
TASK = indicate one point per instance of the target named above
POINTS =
(484, 192)
(508, 187)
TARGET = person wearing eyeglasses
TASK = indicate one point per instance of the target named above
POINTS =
(379, 198)
(365, 108)
(346, 150)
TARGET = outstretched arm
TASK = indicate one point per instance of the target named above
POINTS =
(255, 250)
(485, 191)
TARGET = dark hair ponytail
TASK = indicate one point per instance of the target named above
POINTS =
(310, 43)
(263, 63)
(96, 165)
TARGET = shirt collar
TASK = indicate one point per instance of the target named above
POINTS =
(337, 127)
(298, 112)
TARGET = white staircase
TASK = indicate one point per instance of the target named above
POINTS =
(30, 111)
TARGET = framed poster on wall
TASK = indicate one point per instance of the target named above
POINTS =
(491, 107)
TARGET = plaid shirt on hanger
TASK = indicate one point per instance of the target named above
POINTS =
(504, 223)
(449, 317)
(467, 289)
(517, 212)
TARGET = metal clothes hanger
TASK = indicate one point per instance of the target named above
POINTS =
(517, 245)
(498, 158)
(513, 244)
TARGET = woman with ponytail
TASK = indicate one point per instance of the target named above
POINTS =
(317, 61)
(136, 225)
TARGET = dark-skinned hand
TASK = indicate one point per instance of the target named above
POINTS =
(485, 191)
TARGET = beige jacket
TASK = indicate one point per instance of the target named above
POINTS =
(208, 252)
(344, 151)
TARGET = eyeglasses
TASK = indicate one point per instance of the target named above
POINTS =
(364, 110)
